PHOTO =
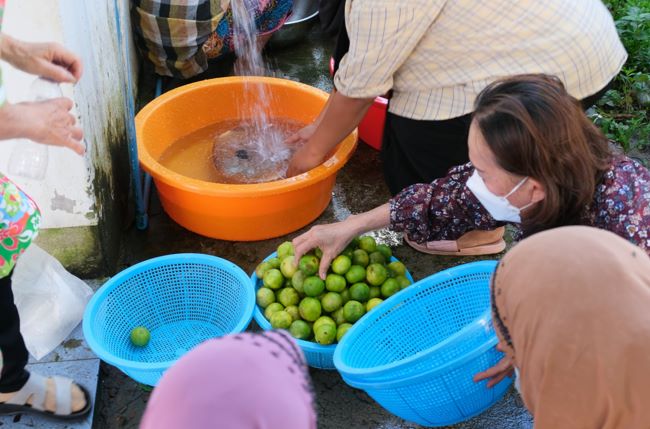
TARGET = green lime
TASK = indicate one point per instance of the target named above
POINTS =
(287, 266)
(355, 274)
(273, 279)
(372, 303)
(389, 288)
(293, 311)
(298, 281)
(341, 330)
(140, 336)
(403, 281)
(368, 244)
(360, 257)
(375, 292)
(310, 309)
(309, 265)
(313, 286)
(300, 329)
(376, 274)
(335, 283)
(377, 258)
(397, 267)
(338, 316)
(360, 292)
(331, 301)
(275, 262)
(264, 297)
(345, 296)
(385, 250)
(272, 308)
(341, 264)
(262, 268)
(288, 296)
(323, 320)
(285, 249)
(281, 320)
(325, 334)
(318, 253)
(353, 311)
(348, 251)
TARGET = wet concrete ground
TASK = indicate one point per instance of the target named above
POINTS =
(360, 187)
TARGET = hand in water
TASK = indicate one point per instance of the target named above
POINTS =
(504, 368)
(303, 160)
(48, 122)
(300, 137)
(331, 239)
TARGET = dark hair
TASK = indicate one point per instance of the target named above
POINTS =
(535, 128)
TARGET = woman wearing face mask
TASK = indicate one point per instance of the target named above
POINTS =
(576, 325)
(536, 161)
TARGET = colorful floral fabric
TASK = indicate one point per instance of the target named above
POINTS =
(446, 208)
(19, 223)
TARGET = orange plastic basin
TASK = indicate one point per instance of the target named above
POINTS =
(245, 212)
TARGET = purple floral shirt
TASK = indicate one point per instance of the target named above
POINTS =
(445, 209)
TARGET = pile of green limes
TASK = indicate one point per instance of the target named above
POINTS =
(295, 298)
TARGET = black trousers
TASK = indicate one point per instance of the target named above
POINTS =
(420, 151)
(12, 346)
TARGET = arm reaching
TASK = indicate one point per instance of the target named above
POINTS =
(333, 238)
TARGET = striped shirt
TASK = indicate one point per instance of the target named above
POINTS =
(437, 55)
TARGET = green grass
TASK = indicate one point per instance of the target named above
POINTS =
(624, 112)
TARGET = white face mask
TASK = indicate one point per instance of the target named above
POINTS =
(498, 207)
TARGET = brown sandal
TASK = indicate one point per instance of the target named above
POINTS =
(472, 243)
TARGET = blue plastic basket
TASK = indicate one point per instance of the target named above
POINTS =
(317, 355)
(183, 299)
(417, 352)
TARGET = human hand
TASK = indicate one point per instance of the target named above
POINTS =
(331, 239)
(301, 136)
(48, 60)
(504, 368)
(48, 122)
(304, 160)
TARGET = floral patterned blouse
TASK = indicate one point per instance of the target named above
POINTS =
(19, 216)
(446, 208)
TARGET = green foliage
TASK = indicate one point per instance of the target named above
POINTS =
(624, 112)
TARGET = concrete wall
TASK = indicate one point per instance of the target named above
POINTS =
(82, 199)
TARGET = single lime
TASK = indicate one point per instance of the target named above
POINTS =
(281, 320)
(338, 316)
(360, 257)
(385, 250)
(300, 329)
(325, 334)
(341, 330)
(376, 274)
(273, 279)
(309, 265)
(288, 296)
(335, 283)
(360, 292)
(298, 280)
(403, 281)
(355, 274)
(310, 309)
(264, 297)
(372, 303)
(368, 244)
(353, 311)
(313, 286)
(318, 253)
(140, 336)
(288, 267)
(375, 292)
(389, 288)
(331, 301)
(285, 249)
(341, 264)
(275, 262)
(397, 267)
(345, 296)
(323, 320)
(377, 257)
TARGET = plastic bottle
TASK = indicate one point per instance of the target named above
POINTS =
(29, 159)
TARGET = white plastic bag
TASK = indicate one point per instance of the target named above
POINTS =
(50, 300)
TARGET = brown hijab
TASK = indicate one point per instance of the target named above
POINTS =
(572, 307)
